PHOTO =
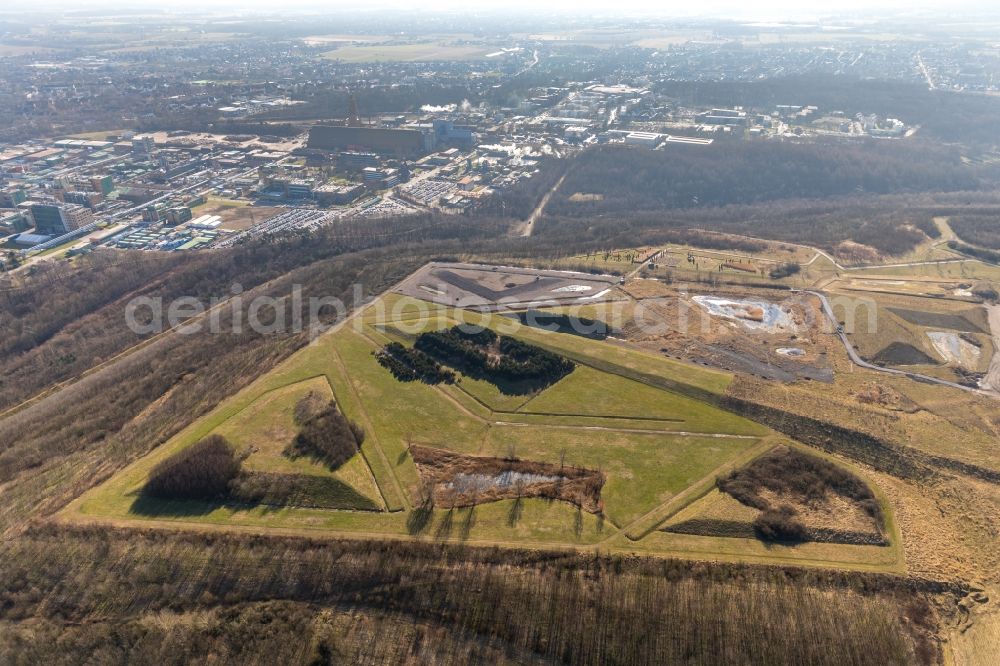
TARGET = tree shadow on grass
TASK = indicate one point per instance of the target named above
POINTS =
(468, 523)
(446, 525)
(515, 512)
(268, 492)
(155, 507)
(419, 518)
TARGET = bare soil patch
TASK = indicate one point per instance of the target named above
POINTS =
(746, 342)
(886, 397)
(457, 480)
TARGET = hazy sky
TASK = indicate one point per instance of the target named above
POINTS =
(735, 8)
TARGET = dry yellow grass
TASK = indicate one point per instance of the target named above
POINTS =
(715, 505)
(976, 643)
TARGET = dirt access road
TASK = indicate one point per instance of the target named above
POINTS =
(991, 382)
(927, 379)
(529, 228)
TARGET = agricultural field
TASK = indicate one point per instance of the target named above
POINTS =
(413, 52)
(635, 431)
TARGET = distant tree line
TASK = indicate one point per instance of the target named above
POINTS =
(892, 224)
(631, 179)
(989, 256)
(983, 230)
(944, 115)
(710, 241)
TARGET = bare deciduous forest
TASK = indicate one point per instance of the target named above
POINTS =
(519, 606)
(892, 224)
(945, 115)
(752, 172)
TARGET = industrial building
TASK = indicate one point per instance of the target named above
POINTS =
(338, 194)
(645, 139)
(57, 219)
(381, 178)
(102, 184)
(178, 215)
(14, 220)
(88, 199)
(391, 142)
(12, 197)
(725, 117)
(352, 161)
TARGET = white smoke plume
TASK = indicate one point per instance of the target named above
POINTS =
(447, 108)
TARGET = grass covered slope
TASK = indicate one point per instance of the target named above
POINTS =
(268, 426)
(618, 413)
(590, 392)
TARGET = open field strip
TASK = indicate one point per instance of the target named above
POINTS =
(961, 269)
(643, 525)
(417, 52)
(609, 424)
(643, 469)
(350, 396)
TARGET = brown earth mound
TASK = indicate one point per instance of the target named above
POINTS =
(457, 480)
(874, 393)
